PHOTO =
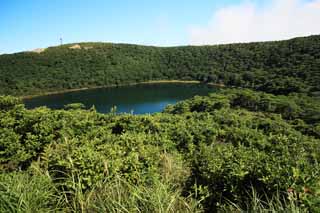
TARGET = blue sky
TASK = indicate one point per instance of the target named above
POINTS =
(30, 24)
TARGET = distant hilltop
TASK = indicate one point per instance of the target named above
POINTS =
(280, 67)
(83, 45)
(38, 50)
(74, 46)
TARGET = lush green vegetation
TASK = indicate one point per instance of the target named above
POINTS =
(275, 67)
(230, 151)
(236, 150)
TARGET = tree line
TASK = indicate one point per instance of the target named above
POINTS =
(280, 67)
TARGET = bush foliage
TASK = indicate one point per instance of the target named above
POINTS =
(202, 154)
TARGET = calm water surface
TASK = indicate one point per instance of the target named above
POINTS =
(139, 99)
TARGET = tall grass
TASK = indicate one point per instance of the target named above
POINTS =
(25, 192)
(276, 204)
(21, 192)
(122, 196)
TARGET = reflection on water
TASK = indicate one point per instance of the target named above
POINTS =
(143, 98)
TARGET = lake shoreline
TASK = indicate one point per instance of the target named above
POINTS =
(110, 86)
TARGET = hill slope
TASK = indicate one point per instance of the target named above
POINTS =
(278, 67)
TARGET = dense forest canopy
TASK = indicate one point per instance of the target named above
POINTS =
(279, 67)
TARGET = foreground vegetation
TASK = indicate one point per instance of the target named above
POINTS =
(235, 150)
(275, 67)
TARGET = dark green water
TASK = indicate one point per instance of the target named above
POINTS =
(139, 99)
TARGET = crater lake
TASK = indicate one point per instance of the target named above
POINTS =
(136, 99)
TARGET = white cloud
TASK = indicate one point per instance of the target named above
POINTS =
(280, 19)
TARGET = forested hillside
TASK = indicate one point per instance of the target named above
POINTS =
(232, 151)
(278, 67)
